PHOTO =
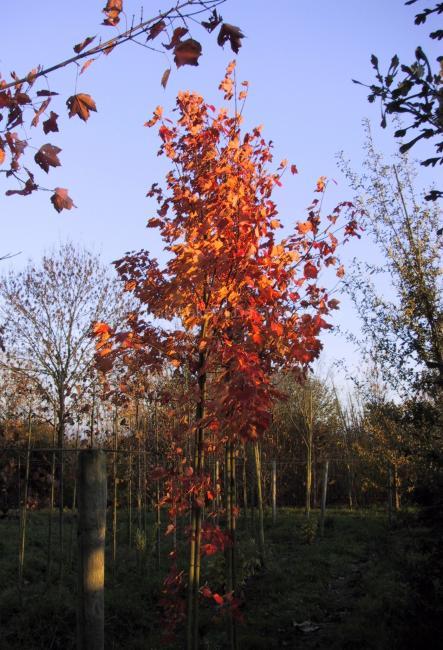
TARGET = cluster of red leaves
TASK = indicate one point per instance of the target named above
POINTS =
(246, 302)
(112, 11)
(22, 107)
(238, 303)
(227, 604)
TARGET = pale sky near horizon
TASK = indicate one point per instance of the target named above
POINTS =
(299, 58)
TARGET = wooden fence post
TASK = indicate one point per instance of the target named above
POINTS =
(91, 537)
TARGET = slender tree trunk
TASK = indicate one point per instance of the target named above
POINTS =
(323, 498)
(390, 495)
(314, 480)
(145, 481)
(244, 487)
(91, 534)
(51, 507)
(74, 496)
(130, 496)
(274, 492)
(261, 528)
(309, 458)
(230, 521)
(192, 636)
(396, 486)
(350, 484)
(253, 491)
(60, 442)
(158, 508)
(217, 491)
(23, 517)
(139, 486)
(114, 504)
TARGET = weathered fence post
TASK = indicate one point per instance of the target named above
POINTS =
(91, 538)
(274, 492)
(323, 498)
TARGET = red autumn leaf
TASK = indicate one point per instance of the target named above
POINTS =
(333, 304)
(154, 222)
(22, 98)
(51, 123)
(176, 37)
(218, 599)
(113, 10)
(2, 156)
(340, 271)
(155, 118)
(43, 107)
(304, 226)
(187, 52)
(101, 328)
(294, 169)
(86, 65)
(321, 184)
(104, 364)
(61, 199)
(81, 46)
(230, 33)
(209, 549)
(5, 100)
(213, 22)
(169, 529)
(81, 105)
(46, 157)
(206, 592)
(156, 29)
(165, 77)
(28, 188)
(110, 47)
(310, 270)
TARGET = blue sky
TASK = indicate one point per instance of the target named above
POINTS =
(299, 58)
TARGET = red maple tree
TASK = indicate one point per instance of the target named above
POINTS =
(238, 303)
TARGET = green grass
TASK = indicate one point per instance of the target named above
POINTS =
(360, 586)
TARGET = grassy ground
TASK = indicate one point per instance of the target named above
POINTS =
(361, 586)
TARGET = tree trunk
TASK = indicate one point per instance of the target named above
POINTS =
(51, 507)
(390, 496)
(323, 498)
(274, 492)
(23, 517)
(114, 504)
(60, 443)
(91, 536)
(309, 435)
(244, 487)
(308, 474)
(130, 496)
(192, 631)
(74, 496)
(261, 529)
(230, 524)
(396, 488)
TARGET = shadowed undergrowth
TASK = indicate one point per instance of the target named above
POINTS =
(362, 585)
